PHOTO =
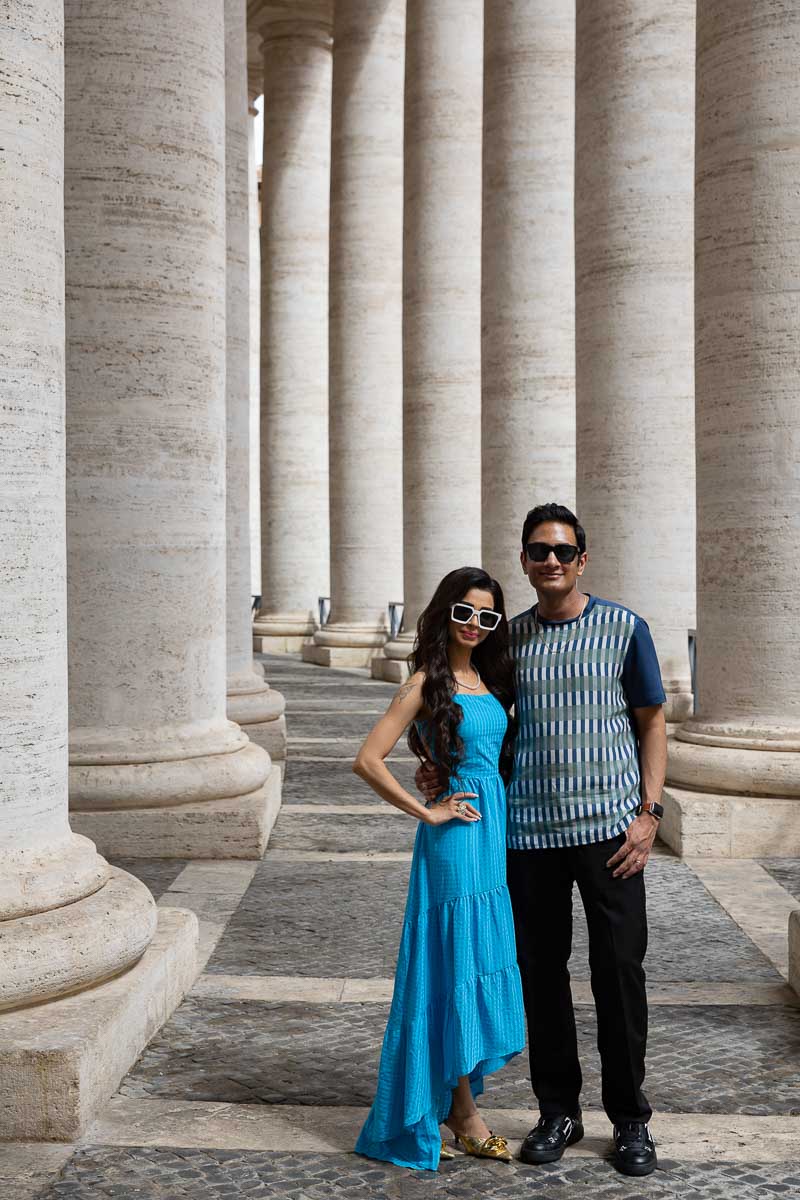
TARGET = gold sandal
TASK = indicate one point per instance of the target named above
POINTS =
(491, 1147)
(445, 1153)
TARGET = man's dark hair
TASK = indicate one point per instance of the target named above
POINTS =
(553, 512)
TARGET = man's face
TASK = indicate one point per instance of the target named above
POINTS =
(551, 577)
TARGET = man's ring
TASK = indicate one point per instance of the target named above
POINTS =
(461, 808)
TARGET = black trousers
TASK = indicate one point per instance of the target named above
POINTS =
(540, 883)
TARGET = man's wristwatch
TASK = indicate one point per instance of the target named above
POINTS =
(653, 807)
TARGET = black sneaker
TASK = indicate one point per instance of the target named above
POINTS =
(634, 1148)
(550, 1137)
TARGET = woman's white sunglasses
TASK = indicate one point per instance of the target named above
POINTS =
(463, 613)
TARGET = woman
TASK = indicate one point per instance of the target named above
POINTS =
(456, 1012)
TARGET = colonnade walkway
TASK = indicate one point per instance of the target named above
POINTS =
(258, 1084)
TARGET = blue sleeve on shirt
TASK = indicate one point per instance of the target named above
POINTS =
(641, 674)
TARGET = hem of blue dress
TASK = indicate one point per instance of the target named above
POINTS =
(479, 1072)
(440, 1091)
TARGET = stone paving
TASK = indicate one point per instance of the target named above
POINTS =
(318, 916)
(691, 938)
(710, 1059)
(158, 874)
(786, 871)
(321, 782)
(350, 831)
(98, 1171)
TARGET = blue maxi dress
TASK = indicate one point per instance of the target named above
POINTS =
(457, 1002)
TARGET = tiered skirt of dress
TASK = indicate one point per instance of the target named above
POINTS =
(457, 1003)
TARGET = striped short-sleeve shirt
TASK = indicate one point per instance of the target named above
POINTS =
(576, 763)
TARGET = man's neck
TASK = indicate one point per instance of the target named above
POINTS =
(561, 608)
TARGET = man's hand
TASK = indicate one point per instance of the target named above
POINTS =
(631, 858)
(431, 781)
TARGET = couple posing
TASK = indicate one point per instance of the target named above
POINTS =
(518, 808)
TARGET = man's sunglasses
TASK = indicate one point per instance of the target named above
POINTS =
(462, 613)
(539, 552)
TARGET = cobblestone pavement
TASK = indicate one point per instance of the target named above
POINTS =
(348, 921)
(158, 874)
(369, 833)
(338, 725)
(97, 1172)
(323, 919)
(709, 1059)
(326, 782)
(311, 919)
(786, 872)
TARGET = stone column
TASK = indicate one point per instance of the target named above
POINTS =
(255, 358)
(740, 753)
(68, 921)
(366, 322)
(633, 308)
(441, 304)
(157, 769)
(251, 702)
(295, 193)
(528, 412)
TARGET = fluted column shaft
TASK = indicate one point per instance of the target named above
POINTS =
(366, 317)
(251, 701)
(295, 194)
(66, 921)
(745, 736)
(441, 300)
(634, 338)
(145, 221)
(528, 290)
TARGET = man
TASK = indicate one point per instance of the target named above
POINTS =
(589, 767)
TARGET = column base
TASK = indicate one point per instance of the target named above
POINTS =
(708, 825)
(270, 736)
(276, 644)
(390, 670)
(63, 1060)
(679, 705)
(794, 950)
(393, 667)
(75, 946)
(259, 710)
(344, 645)
(235, 827)
(281, 634)
(339, 656)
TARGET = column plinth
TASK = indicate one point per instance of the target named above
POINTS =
(154, 758)
(295, 203)
(392, 666)
(734, 767)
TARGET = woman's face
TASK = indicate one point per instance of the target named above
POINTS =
(471, 634)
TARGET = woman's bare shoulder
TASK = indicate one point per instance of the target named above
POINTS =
(412, 687)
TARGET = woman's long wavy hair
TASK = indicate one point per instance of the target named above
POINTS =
(491, 657)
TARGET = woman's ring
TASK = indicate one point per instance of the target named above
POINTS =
(461, 808)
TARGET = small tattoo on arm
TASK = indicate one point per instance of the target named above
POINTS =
(404, 691)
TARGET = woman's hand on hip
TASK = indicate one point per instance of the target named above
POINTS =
(453, 807)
